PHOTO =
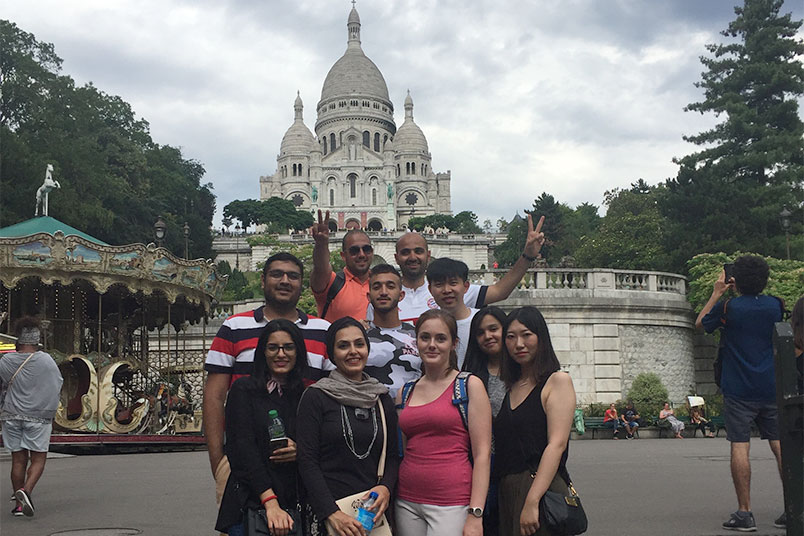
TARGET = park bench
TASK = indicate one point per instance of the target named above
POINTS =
(664, 426)
(596, 423)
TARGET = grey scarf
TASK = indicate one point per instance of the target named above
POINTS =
(362, 394)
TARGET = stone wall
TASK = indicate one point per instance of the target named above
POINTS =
(666, 351)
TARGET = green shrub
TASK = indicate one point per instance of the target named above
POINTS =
(648, 394)
(598, 409)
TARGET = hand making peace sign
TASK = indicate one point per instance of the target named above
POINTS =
(320, 230)
(535, 239)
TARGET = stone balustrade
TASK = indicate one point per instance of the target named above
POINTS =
(588, 279)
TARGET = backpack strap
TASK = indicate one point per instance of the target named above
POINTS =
(334, 288)
(460, 396)
(407, 389)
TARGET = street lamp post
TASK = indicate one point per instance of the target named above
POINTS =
(186, 241)
(237, 246)
(159, 230)
(784, 215)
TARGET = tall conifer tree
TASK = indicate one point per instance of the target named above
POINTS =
(727, 196)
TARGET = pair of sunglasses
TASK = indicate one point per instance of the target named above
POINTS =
(354, 250)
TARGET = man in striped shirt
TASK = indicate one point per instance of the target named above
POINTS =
(231, 354)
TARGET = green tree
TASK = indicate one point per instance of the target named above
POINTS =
(728, 195)
(277, 214)
(648, 394)
(246, 211)
(631, 234)
(115, 181)
(786, 279)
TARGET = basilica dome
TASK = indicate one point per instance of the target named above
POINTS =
(354, 73)
(409, 137)
(298, 138)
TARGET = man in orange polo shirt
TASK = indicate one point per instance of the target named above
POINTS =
(357, 252)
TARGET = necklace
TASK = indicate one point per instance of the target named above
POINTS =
(346, 429)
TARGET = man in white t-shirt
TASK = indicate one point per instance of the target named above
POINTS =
(413, 255)
(447, 279)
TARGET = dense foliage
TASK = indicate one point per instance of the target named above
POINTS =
(462, 222)
(277, 214)
(786, 278)
(648, 394)
(115, 180)
(727, 196)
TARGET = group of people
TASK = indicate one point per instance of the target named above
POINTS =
(395, 394)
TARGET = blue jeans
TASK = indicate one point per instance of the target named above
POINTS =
(237, 530)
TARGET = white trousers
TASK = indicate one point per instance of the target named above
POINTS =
(416, 519)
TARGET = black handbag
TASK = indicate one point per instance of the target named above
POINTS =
(563, 514)
(257, 524)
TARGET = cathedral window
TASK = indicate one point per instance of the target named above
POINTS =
(411, 198)
(377, 141)
(398, 170)
(294, 170)
(332, 142)
(373, 196)
(407, 168)
(352, 185)
(384, 140)
(325, 145)
(300, 170)
(367, 138)
(298, 200)
(332, 198)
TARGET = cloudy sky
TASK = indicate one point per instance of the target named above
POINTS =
(516, 98)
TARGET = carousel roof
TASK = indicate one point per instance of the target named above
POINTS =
(45, 224)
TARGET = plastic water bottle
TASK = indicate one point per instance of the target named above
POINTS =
(366, 516)
(277, 429)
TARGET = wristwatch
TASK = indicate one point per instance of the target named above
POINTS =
(477, 512)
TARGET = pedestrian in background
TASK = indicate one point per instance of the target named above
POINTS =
(32, 384)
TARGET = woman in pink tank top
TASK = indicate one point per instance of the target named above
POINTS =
(440, 491)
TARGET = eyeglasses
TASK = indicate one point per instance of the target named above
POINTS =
(354, 250)
(279, 274)
(273, 349)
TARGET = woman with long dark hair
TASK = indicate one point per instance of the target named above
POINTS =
(264, 475)
(484, 355)
(341, 440)
(441, 491)
(533, 427)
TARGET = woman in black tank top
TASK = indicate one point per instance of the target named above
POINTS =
(532, 429)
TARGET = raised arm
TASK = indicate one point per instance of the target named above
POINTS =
(559, 406)
(533, 244)
(718, 291)
(322, 268)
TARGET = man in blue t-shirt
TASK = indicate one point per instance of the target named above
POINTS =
(747, 382)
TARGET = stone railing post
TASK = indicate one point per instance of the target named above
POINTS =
(653, 282)
(541, 279)
(602, 280)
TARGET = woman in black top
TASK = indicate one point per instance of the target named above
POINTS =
(484, 354)
(340, 435)
(532, 429)
(262, 478)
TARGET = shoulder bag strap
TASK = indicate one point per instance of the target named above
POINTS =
(334, 289)
(20, 368)
(381, 466)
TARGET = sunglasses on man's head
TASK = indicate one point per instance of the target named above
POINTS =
(354, 250)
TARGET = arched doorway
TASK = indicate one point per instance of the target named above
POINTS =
(352, 224)
(333, 227)
(374, 225)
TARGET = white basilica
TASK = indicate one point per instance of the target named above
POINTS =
(359, 166)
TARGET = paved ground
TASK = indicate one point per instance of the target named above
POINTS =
(650, 487)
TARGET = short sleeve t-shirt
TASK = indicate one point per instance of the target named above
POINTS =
(232, 349)
(419, 300)
(351, 300)
(394, 357)
(463, 336)
(747, 345)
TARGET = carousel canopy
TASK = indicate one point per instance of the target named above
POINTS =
(45, 224)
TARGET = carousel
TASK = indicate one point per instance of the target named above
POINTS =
(115, 319)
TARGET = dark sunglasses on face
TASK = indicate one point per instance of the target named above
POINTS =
(405, 252)
(288, 348)
(354, 250)
(279, 274)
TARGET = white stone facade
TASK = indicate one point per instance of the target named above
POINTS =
(359, 166)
